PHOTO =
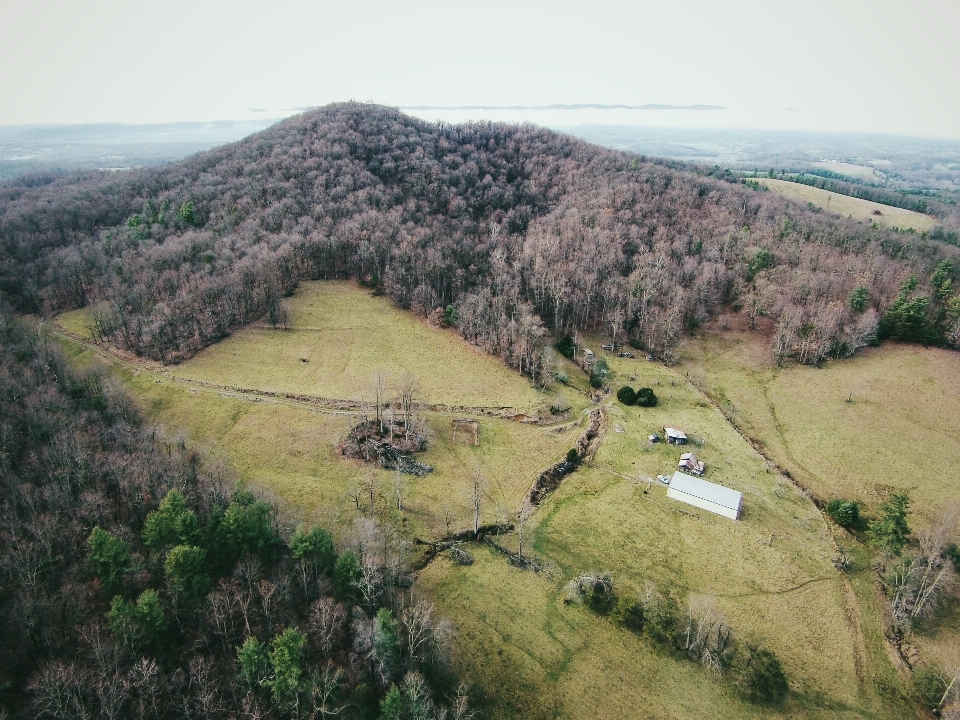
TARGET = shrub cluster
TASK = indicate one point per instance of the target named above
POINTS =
(845, 512)
(644, 397)
(700, 633)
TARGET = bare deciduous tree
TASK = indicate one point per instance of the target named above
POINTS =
(327, 621)
(476, 498)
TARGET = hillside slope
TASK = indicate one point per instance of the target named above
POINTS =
(513, 226)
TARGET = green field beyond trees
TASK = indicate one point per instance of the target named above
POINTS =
(525, 652)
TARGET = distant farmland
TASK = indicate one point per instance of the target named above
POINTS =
(849, 206)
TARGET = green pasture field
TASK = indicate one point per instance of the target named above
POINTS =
(850, 206)
(289, 449)
(885, 420)
(347, 337)
(526, 653)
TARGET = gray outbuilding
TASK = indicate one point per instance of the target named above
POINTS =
(705, 495)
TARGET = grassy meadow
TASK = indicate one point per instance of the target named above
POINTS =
(885, 420)
(526, 653)
(850, 206)
(347, 337)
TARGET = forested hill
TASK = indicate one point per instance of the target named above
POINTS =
(516, 227)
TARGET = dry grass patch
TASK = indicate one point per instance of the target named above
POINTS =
(850, 206)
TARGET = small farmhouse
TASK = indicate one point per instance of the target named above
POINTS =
(689, 462)
(674, 436)
(705, 495)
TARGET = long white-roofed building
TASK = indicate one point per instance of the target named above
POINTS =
(705, 495)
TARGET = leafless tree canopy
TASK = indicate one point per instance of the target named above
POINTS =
(513, 226)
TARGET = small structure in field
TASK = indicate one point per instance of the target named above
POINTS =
(588, 357)
(705, 495)
(689, 462)
(466, 431)
(674, 436)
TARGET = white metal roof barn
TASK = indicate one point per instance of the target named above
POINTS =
(706, 495)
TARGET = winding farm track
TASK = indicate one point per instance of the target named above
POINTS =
(332, 406)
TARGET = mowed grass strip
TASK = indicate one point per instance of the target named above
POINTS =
(850, 206)
(341, 337)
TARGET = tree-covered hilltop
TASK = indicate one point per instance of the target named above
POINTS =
(514, 228)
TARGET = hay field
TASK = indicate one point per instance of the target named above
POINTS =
(770, 574)
(347, 336)
(850, 206)
(289, 448)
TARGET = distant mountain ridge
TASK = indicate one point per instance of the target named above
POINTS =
(580, 106)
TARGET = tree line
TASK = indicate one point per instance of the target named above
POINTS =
(136, 582)
(513, 229)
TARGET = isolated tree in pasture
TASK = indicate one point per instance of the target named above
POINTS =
(398, 486)
(645, 397)
(845, 512)
(758, 675)
(409, 389)
(476, 498)
(890, 531)
(379, 398)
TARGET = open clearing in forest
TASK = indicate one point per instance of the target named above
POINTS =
(857, 429)
(850, 206)
(528, 654)
(347, 336)
(862, 172)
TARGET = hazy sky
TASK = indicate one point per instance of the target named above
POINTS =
(839, 65)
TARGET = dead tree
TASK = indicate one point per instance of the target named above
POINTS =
(476, 497)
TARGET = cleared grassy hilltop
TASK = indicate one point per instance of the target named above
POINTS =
(527, 653)
(850, 206)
